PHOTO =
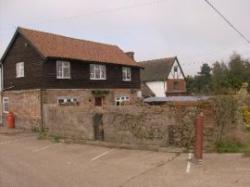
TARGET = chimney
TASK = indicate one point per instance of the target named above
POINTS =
(130, 54)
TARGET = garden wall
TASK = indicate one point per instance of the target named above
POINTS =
(159, 126)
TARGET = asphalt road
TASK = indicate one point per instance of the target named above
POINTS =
(28, 162)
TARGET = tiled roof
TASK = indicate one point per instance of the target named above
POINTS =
(53, 45)
(156, 70)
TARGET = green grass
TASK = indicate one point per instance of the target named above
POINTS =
(41, 135)
(228, 147)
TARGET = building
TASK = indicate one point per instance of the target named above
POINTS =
(40, 68)
(164, 77)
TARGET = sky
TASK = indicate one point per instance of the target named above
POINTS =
(188, 29)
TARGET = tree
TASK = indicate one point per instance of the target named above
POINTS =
(222, 78)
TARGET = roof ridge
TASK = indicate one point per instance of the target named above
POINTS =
(151, 60)
(60, 35)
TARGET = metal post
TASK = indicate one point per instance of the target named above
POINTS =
(199, 125)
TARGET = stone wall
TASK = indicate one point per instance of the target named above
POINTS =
(26, 106)
(159, 126)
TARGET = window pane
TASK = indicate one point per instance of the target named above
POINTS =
(129, 74)
(20, 69)
(103, 71)
(97, 72)
(5, 104)
(66, 72)
(59, 69)
(92, 73)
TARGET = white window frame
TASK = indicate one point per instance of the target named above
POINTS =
(6, 102)
(19, 69)
(61, 67)
(97, 72)
(121, 100)
(126, 74)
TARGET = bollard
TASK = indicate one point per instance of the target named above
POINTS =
(199, 125)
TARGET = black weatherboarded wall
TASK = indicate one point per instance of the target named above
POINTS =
(22, 51)
(80, 77)
(41, 72)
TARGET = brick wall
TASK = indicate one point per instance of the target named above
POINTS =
(86, 97)
(26, 106)
(179, 87)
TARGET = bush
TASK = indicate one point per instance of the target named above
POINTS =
(246, 116)
(56, 139)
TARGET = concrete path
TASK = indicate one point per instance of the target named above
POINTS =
(28, 162)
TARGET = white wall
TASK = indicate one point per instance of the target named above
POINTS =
(158, 88)
(175, 75)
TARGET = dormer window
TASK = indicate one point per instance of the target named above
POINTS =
(63, 70)
(126, 74)
(20, 69)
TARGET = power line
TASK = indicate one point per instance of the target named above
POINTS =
(227, 21)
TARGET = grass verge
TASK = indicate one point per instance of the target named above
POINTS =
(229, 147)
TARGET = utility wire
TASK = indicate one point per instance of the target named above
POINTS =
(227, 21)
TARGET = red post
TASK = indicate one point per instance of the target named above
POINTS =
(199, 125)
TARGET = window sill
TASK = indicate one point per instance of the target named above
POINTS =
(97, 79)
(68, 78)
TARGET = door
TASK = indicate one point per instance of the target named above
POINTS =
(98, 126)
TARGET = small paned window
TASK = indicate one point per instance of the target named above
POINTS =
(121, 100)
(63, 70)
(67, 101)
(126, 74)
(20, 69)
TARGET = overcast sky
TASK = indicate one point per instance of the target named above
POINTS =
(189, 29)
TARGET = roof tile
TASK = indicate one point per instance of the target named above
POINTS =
(53, 45)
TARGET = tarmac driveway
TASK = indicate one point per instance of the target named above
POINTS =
(28, 162)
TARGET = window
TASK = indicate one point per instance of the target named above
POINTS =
(63, 70)
(126, 74)
(5, 104)
(121, 100)
(67, 101)
(20, 69)
(97, 72)
(175, 68)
